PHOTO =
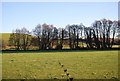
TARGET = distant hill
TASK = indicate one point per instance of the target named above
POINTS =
(5, 37)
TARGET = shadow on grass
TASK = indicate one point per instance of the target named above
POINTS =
(60, 80)
(56, 50)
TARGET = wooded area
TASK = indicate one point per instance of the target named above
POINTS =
(102, 34)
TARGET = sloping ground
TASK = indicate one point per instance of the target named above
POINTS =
(5, 37)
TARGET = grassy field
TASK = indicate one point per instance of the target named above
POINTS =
(51, 65)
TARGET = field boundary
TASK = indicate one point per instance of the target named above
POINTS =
(59, 80)
(56, 50)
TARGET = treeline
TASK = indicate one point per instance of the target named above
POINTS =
(101, 34)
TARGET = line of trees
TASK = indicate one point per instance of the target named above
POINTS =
(101, 34)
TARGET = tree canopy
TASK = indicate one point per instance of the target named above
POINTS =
(100, 35)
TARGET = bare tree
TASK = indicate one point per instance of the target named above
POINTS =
(54, 37)
(20, 38)
(101, 34)
(75, 33)
(38, 32)
(25, 38)
(15, 39)
(68, 28)
(104, 33)
(62, 36)
(89, 36)
(47, 34)
(114, 29)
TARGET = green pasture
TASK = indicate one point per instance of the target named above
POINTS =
(51, 65)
